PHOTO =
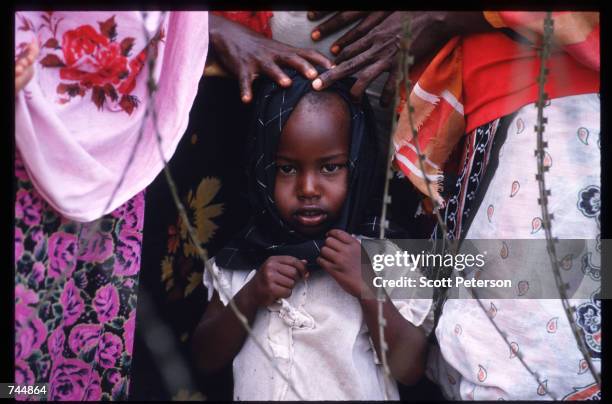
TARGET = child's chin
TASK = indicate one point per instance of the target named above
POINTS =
(313, 232)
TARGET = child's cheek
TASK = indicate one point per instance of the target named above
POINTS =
(283, 196)
(338, 192)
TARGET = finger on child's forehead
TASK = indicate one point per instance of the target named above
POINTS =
(245, 86)
(302, 65)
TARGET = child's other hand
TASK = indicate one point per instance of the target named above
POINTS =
(341, 258)
(276, 278)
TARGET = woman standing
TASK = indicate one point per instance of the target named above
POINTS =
(86, 149)
(477, 93)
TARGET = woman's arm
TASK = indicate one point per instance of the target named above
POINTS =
(24, 65)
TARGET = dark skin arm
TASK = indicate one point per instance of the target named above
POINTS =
(219, 336)
(407, 345)
(246, 54)
(370, 48)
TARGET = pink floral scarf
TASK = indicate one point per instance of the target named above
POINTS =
(80, 116)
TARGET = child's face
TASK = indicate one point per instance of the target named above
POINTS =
(312, 173)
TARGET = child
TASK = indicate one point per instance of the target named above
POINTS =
(295, 271)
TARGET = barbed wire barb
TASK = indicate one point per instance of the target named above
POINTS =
(193, 234)
(547, 217)
(453, 243)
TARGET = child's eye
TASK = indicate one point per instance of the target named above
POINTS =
(286, 169)
(331, 168)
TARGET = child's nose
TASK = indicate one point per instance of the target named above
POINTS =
(308, 186)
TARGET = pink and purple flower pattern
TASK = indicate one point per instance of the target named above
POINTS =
(106, 303)
(79, 337)
(62, 254)
(74, 380)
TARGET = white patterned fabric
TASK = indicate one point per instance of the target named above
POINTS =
(473, 362)
(319, 339)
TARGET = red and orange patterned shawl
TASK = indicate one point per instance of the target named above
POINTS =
(437, 96)
(258, 21)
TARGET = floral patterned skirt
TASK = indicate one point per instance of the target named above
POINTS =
(75, 296)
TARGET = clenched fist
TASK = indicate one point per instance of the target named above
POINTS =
(276, 278)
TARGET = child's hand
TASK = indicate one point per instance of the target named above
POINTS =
(341, 258)
(276, 278)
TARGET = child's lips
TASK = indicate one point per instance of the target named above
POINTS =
(310, 216)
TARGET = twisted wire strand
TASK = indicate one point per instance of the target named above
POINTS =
(454, 243)
(152, 87)
(547, 217)
(406, 62)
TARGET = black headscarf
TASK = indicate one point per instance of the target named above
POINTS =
(266, 234)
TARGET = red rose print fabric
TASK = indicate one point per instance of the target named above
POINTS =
(94, 60)
(85, 116)
(258, 21)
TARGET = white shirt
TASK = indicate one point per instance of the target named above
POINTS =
(319, 338)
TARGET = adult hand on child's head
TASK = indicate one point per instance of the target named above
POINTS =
(369, 49)
(246, 54)
(340, 20)
(276, 278)
(341, 258)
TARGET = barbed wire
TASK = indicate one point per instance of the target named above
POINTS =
(380, 294)
(454, 243)
(406, 61)
(152, 87)
(544, 194)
